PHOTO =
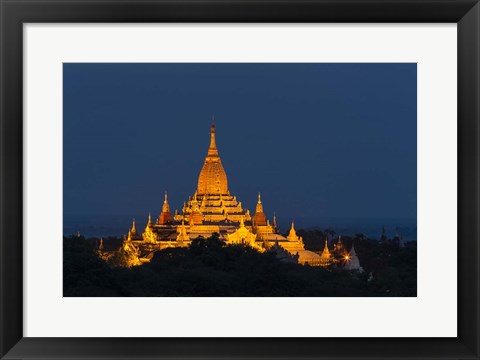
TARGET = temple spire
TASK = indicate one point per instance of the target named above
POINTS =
(212, 150)
(292, 234)
(133, 229)
(166, 206)
(325, 256)
(212, 179)
(165, 216)
(259, 218)
(259, 207)
(325, 249)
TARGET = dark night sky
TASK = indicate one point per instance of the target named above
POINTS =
(318, 140)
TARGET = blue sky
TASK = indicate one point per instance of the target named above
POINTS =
(317, 140)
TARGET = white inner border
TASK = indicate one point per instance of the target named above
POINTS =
(432, 313)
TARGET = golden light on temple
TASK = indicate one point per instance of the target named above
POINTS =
(213, 209)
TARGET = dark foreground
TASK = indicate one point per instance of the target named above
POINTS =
(209, 268)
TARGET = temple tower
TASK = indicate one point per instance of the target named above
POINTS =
(212, 202)
(212, 179)
(292, 235)
(149, 235)
(165, 216)
(259, 218)
(275, 226)
(133, 230)
(326, 257)
(182, 236)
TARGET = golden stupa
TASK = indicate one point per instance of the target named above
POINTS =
(212, 202)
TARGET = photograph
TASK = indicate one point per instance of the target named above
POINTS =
(219, 163)
(239, 179)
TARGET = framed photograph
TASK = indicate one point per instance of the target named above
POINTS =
(239, 179)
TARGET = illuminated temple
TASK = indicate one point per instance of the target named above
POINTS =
(214, 209)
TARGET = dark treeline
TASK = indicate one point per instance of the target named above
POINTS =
(393, 268)
(208, 267)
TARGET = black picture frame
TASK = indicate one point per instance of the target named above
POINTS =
(14, 13)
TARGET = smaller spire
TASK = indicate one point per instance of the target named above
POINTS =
(149, 219)
(133, 229)
(259, 206)
(325, 251)
(165, 216)
(212, 150)
(326, 258)
(182, 233)
(165, 206)
(292, 235)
